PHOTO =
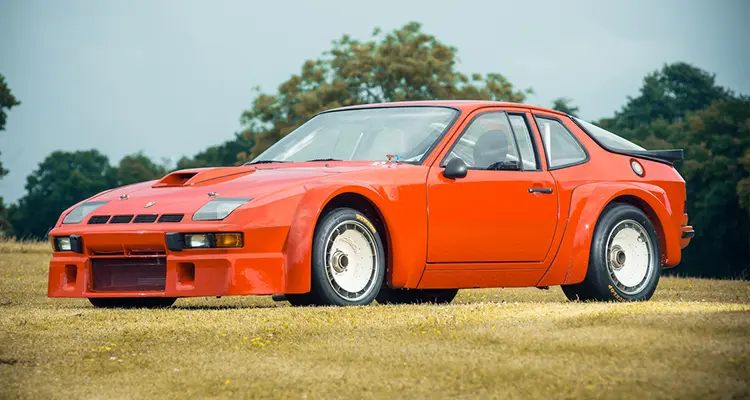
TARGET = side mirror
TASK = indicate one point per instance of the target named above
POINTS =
(456, 168)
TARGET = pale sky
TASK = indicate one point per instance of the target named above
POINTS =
(172, 77)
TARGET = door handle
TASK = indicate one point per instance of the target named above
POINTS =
(542, 190)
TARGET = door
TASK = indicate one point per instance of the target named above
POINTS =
(504, 209)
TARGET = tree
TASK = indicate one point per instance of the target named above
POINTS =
(669, 94)
(231, 152)
(680, 106)
(61, 180)
(405, 64)
(565, 105)
(7, 101)
(717, 143)
(136, 168)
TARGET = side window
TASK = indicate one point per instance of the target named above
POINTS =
(561, 147)
(525, 146)
(488, 144)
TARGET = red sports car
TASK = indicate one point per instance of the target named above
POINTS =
(399, 202)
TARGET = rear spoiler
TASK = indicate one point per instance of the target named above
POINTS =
(667, 156)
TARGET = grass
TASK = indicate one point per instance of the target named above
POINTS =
(691, 341)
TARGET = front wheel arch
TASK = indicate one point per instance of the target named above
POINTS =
(364, 205)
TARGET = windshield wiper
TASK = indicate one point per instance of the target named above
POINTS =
(324, 159)
(264, 162)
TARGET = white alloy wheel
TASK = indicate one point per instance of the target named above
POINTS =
(351, 259)
(630, 255)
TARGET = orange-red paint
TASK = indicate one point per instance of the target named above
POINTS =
(485, 230)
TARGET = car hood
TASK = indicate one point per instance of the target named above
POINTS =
(185, 191)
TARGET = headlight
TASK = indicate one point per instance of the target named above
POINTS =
(210, 240)
(68, 243)
(218, 209)
(63, 243)
(81, 212)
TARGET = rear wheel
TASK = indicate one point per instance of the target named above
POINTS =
(348, 261)
(416, 296)
(133, 302)
(625, 260)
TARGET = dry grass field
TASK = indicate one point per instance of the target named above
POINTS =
(691, 341)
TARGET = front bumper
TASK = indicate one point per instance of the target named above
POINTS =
(256, 268)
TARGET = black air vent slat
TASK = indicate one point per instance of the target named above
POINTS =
(171, 217)
(98, 219)
(145, 218)
(120, 219)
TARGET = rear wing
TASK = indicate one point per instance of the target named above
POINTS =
(665, 156)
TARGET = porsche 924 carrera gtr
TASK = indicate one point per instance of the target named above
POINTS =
(399, 202)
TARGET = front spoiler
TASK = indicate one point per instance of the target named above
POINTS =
(257, 268)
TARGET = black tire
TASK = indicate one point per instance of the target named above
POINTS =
(601, 282)
(324, 291)
(416, 296)
(133, 302)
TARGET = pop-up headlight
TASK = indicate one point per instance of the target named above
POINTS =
(81, 212)
(218, 209)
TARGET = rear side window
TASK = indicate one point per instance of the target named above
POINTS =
(607, 139)
(561, 147)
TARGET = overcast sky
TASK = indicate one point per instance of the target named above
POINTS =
(172, 77)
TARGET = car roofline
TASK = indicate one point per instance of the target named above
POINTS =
(462, 105)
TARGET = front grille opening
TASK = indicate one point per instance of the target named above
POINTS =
(129, 274)
(98, 219)
(107, 253)
(147, 253)
(171, 217)
(121, 219)
(145, 218)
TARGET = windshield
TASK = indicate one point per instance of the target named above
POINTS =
(364, 135)
(608, 139)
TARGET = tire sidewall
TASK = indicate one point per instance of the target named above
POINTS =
(320, 285)
(598, 273)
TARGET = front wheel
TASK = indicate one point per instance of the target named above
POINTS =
(133, 302)
(625, 261)
(348, 260)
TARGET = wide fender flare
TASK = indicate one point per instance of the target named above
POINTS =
(587, 204)
(298, 249)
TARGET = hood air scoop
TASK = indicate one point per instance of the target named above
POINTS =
(199, 176)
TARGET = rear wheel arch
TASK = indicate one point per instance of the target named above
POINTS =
(597, 202)
(647, 209)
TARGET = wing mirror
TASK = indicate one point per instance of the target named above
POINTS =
(456, 168)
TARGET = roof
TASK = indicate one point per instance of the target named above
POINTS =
(463, 105)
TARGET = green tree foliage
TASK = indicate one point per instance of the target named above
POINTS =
(669, 94)
(65, 178)
(405, 64)
(565, 105)
(136, 168)
(681, 106)
(61, 180)
(231, 152)
(716, 141)
(7, 101)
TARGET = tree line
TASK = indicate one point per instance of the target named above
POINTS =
(677, 106)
